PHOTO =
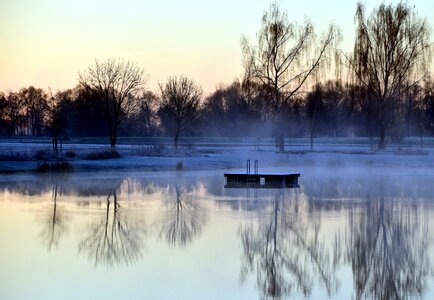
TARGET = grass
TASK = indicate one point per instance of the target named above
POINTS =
(105, 154)
(153, 150)
(38, 154)
(14, 156)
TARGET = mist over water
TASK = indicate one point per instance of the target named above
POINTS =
(340, 235)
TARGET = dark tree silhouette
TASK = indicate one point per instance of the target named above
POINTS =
(314, 110)
(428, 100)
(179, 105)
(57, 115)
(147, 112)
(35, 102)
(391, 53)
(115, 83)
(85, 115)
(3, 109)
(286, 55)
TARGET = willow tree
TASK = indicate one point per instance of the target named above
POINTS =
(286, 56)
(115, 83)
(391, 54)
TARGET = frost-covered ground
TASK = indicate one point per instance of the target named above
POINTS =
(297, 158)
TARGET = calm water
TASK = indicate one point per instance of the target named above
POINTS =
(344, 235)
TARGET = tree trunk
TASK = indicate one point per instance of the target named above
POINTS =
(176, 138)
(113, 143)
(311, 133)
(281, 142)
(382, 142)
(278, 130)
(311, 141)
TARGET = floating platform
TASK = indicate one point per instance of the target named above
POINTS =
(270, 180)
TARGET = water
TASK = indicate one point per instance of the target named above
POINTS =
(358, 234)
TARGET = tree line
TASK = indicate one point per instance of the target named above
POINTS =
(296, 83)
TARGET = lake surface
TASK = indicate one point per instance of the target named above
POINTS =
(342, 235)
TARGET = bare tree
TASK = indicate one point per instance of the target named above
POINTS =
(35, 102)
(391, 54)
(148, 112)
(179, 104)
(286, 55)
(14, 113)
(3, 110)
(115, 82)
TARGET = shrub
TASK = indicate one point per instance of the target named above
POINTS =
(14, 156)
(70, 154)
(96, 155)
(55, 166)
(40, 154)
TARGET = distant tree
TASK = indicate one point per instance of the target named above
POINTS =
(425, 109)
(339, 109)
(3, 108)
(391, 54)
(13, 114)
(85, 115)
(58, 111)
(148, 102)
(286, 55)
(34, 100)
(314, 110)
(227, 112)
(179, 105)
(115, 83)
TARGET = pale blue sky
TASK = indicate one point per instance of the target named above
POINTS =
(45, 43)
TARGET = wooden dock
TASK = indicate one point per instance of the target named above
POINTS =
(270, 180)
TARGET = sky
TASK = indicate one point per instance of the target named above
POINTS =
(46, 43)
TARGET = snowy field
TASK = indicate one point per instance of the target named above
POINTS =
(213, 155)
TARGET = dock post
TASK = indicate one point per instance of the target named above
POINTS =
(248, 167)
(256, 167)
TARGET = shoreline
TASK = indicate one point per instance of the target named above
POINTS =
(217, 158)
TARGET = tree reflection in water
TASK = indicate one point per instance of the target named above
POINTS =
(286, 252)
(387, 247)
(116, 239)
(54, 222)
(184, 219)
